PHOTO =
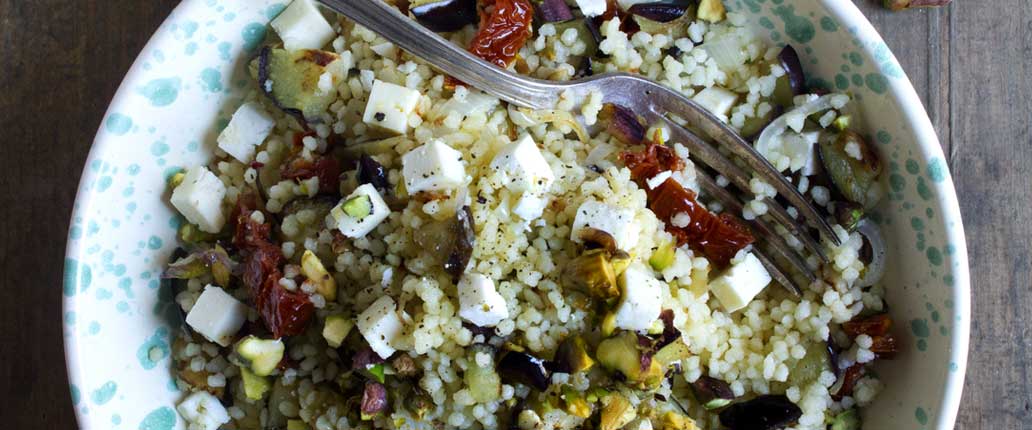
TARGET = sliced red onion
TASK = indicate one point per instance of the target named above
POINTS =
(876, 268)
(795, 117)
(554, 11)
(793, 68)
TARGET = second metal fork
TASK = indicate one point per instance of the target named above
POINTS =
(656, 103)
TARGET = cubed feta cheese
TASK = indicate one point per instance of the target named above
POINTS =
(530, 206)
(248, 128)
(523, 167)
(613, 220)
(380, 326)
(202, 411)
(360, 212)
(434, 166)
(302, 26)
(389, 106)
(737, 286)
(640, 299)
(479, 302)
(716, 100)
(592, 8)
(217, 315)
(199, 199)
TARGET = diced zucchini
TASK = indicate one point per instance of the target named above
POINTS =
(300, 82)
(260, 355)
(255, 386)
(484, 383)
(336, 329)
(316, 273)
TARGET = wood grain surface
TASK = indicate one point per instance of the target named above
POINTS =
(62, 61)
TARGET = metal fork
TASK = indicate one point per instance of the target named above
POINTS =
(654, 102)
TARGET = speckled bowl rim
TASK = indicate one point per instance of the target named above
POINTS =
(902, 92)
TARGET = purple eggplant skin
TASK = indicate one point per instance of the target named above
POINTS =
(518, 367)
(623, 124)
(793, 68)
(662, 11)
(372, 172)
(769, 412)
(263, 79)
(554, 11)
(446, 15)
(665, 11)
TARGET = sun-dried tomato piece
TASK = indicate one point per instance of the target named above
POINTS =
(503, 32)
(852, 374)
(285, 312)
(874, 325)
(259, 262)
(884, 346)
(653, 160)
(719, 238)
(325, 167)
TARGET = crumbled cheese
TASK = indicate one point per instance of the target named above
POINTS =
(199, 199)
(479, 301)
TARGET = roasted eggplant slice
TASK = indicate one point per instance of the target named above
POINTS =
(303, 83)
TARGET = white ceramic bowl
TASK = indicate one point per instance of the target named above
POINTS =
(189, 79)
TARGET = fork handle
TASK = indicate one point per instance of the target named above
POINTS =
(406, 33)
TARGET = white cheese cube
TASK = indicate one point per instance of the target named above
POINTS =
(199, 199)
(217, 315)
(248, 128)
(360, 212)
(592, 8)
(434, 166)
(202, 411)
(530, 206)
(302, 26)
(380, 326)
(737, 286)
(389, 106)
(479, 301)
(616, 221)
(523, 167)
(716, 100)
(640, 299)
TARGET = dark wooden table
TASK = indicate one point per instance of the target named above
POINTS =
(62, 61)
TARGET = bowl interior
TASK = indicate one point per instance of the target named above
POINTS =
(189, 79)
